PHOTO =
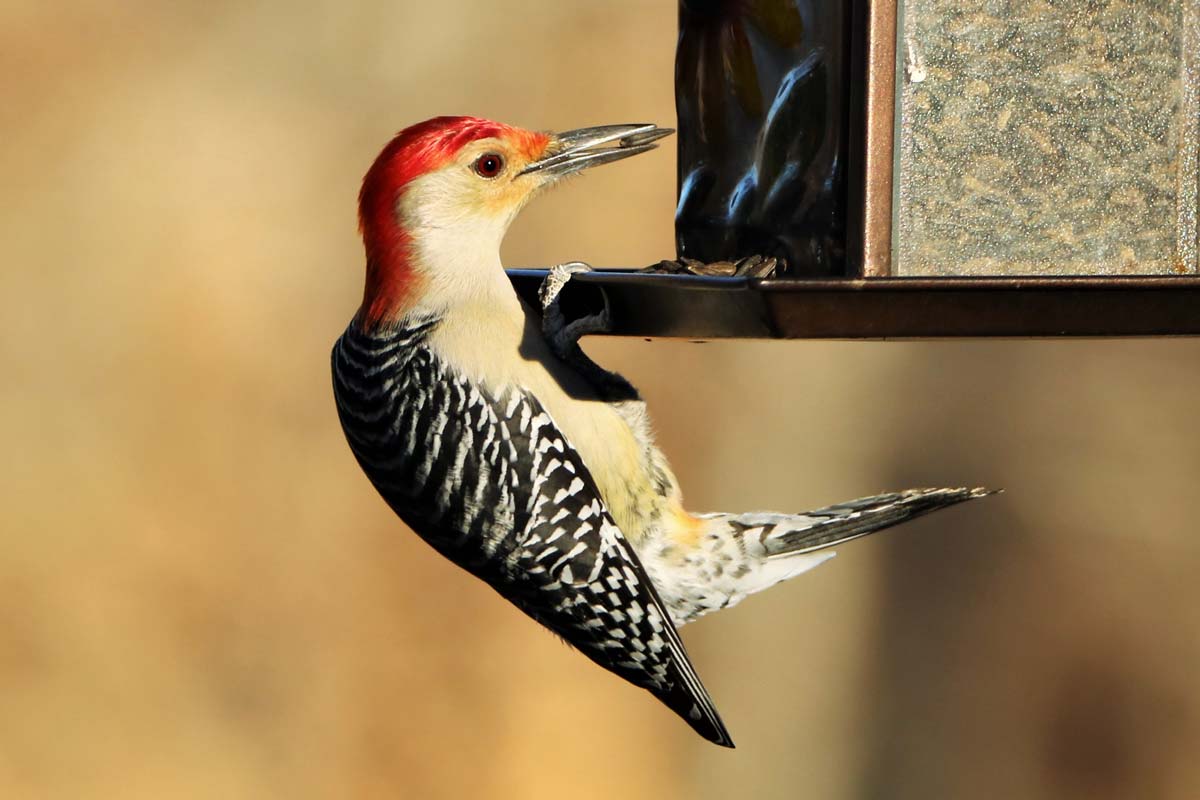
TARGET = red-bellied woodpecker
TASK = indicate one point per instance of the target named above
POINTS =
(488, 431)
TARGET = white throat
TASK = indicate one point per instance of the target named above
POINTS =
(456, 249)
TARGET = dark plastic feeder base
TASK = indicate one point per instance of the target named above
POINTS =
(690, 307)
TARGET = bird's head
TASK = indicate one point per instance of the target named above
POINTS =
(440, 196)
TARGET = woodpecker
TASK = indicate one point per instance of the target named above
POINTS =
(487, 430)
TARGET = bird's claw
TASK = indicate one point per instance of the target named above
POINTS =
(563, 333)
(563, 336)
(559, 275)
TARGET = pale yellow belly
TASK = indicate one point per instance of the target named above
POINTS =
(497, 349)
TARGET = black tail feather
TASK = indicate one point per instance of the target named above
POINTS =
(845, 521)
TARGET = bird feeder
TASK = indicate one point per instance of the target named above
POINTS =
(929, 168)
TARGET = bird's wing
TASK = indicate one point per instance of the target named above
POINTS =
(574, 572)
(489, 480)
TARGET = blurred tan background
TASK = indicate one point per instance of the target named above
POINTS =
(201, 596)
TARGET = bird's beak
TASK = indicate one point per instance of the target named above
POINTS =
(572, 151)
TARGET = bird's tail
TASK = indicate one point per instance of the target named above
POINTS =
(788, 535)
(736, 555)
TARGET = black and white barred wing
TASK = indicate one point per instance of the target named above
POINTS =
(574, 572)
(490, 481)
(433, 445)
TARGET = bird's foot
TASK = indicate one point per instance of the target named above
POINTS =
(558, 331)
(560, 275)
(563, 336)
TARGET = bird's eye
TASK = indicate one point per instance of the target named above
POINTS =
(489, 165)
